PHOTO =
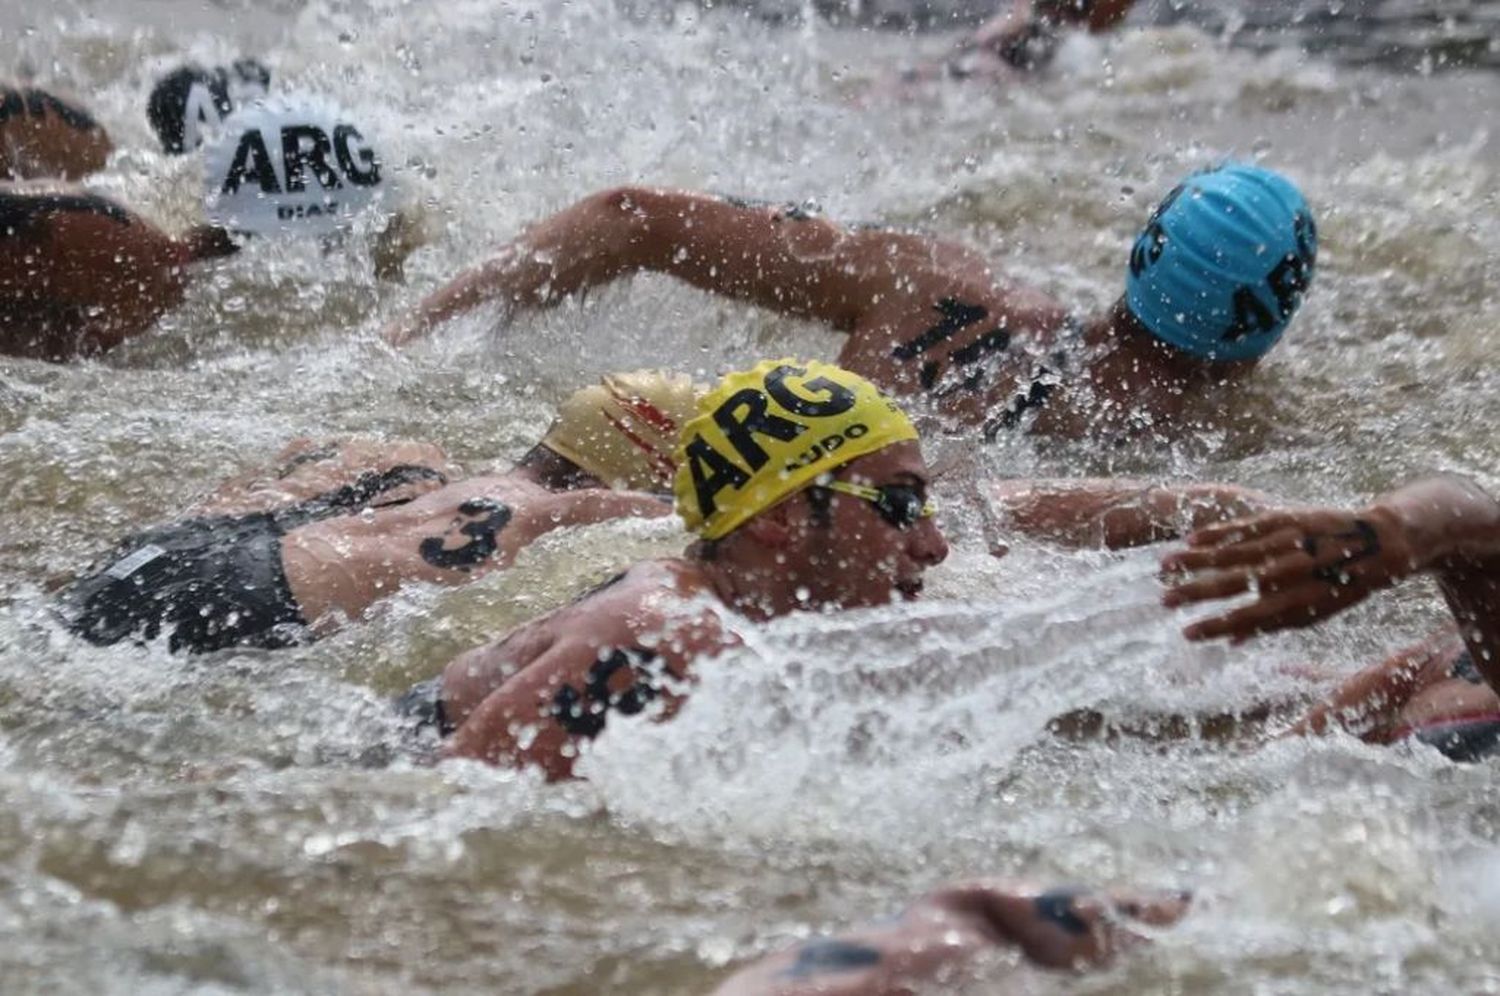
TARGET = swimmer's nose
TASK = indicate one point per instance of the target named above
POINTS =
(926, 543)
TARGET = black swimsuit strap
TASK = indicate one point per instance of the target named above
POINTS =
(361, 493)
(36, 103)
(20, 213)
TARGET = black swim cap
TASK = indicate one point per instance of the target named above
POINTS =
(167, 109)
(181, 100)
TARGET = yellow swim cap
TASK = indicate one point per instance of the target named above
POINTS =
(766, 433)
(623, 429)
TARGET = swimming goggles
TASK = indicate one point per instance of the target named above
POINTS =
(899, 504)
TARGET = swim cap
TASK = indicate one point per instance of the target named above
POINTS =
(1223, 263)
(191, 100)
(767, 433)
(623, 429)
(290, 166)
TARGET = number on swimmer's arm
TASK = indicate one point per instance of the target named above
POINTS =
(485, 518)
(582, 713)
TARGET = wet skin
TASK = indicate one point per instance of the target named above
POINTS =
(924, 316)
(941, 939)
(532, 696)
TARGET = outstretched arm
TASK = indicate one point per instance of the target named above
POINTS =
(1024, 35)
(780, 258)
(938, 939)
(1368, 703)
(1310, 564)
(1115, 513)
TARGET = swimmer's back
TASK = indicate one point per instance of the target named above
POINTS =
(450, 536)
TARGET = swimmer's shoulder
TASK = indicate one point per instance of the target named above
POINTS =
(26, 209)
(650, 598)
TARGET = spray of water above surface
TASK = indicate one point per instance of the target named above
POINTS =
(247, 822)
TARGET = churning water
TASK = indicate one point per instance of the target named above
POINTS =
(237, 824)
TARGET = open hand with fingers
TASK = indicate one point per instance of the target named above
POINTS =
(1303, 564)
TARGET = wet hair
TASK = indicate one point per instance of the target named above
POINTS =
(20, 214)
(1125, 322)
(820, 501)
(556, 472)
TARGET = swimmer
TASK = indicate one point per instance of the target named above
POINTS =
(807, 490)
(1023, 38)
(944, 940)
(43, 136)
(79, 274)
(1109, 513)
(1210, 286)
(277, 559)
(1306, 565)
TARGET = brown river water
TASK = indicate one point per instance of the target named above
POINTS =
(241, 823)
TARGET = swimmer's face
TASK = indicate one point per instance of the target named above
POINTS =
(857, 555)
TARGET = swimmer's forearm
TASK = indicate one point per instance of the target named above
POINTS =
(1450, 522)
(585, 245)
(1453, 528)
(510, 728)
(1119, 513)
(467, 291)
(1371, 699)
(775, 258)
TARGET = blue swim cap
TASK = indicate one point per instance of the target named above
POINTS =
(1222, 265)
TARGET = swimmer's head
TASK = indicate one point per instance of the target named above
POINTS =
(190, 99)
(296, 166)
(623, 429)
(1223, 263)
(764, 434)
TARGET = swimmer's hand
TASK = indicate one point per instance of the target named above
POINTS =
(601, 237)
(1304, 565)
(486, 282)
(1080, 928)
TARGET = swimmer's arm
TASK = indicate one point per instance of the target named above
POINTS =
(591, 505)
(467, 291)
(1114, 513)
(1368, 703)
(1454, 526)
(1311, 563)
(307, 468)
(789, 263)
(544, 714)
(938, 937)
(588, 244)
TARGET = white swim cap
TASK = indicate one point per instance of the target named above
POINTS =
(296, 166)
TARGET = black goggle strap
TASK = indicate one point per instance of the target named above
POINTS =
(898, 504)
